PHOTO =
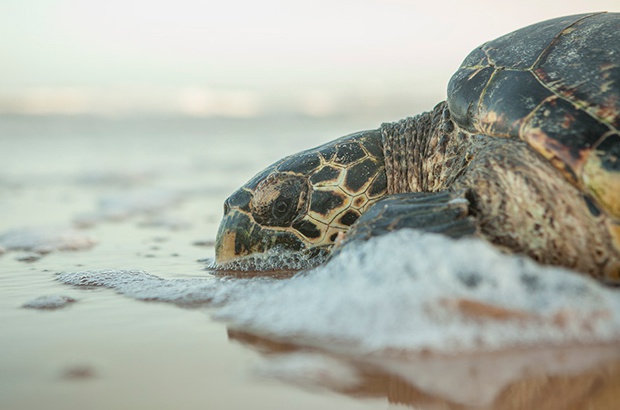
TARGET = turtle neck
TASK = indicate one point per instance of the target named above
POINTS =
(424, 153)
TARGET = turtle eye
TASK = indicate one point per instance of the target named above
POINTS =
(281, 207)
(278, 199)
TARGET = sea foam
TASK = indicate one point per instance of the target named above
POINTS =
(406, 291)
(49, 302)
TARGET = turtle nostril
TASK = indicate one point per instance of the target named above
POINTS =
(226, 208)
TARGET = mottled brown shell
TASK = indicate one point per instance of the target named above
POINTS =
(555, 85)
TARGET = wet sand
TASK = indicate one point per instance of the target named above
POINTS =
(105, 350)
(561, 377)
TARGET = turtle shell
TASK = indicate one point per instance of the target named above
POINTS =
(555, 85)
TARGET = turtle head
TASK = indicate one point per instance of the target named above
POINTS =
(289, 215)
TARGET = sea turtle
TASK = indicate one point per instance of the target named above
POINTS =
(525, 153)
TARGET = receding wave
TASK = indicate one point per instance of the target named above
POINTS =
(406, 291)
(274, 260)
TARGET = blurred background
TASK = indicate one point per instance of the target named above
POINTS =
(369, 59)
(130, 122)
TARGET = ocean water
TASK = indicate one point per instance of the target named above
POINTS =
(106, 234)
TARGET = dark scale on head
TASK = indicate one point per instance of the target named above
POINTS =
(349, 153)
(307, 229)
(359, 174)
(374, 146)
(302, 164)
(240, 199)
(240, 248)
(333, 237)
(288, 240)
(328, 153)
(323, 202)
(349, 217)
(326, 174)
(378, 186)
(241, 239)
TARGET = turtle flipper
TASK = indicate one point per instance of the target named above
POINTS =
(442, 212)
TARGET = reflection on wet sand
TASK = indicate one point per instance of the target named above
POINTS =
(574, 377)
(275, 318)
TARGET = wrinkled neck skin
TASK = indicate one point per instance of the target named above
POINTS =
(520, 199)
(425, 153)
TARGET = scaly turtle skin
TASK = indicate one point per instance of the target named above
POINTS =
(304, 201)
(525, 153)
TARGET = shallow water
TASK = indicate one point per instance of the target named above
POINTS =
(133, 319)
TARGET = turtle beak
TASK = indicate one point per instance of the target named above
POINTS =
(233, 238)
(241, 239)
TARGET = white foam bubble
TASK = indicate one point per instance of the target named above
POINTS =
(49, 302)
(142, 285)
(413, 291)
(405, 291)
(45, 239)
(275, 259)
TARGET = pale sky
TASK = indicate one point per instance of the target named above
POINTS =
(149, 49)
